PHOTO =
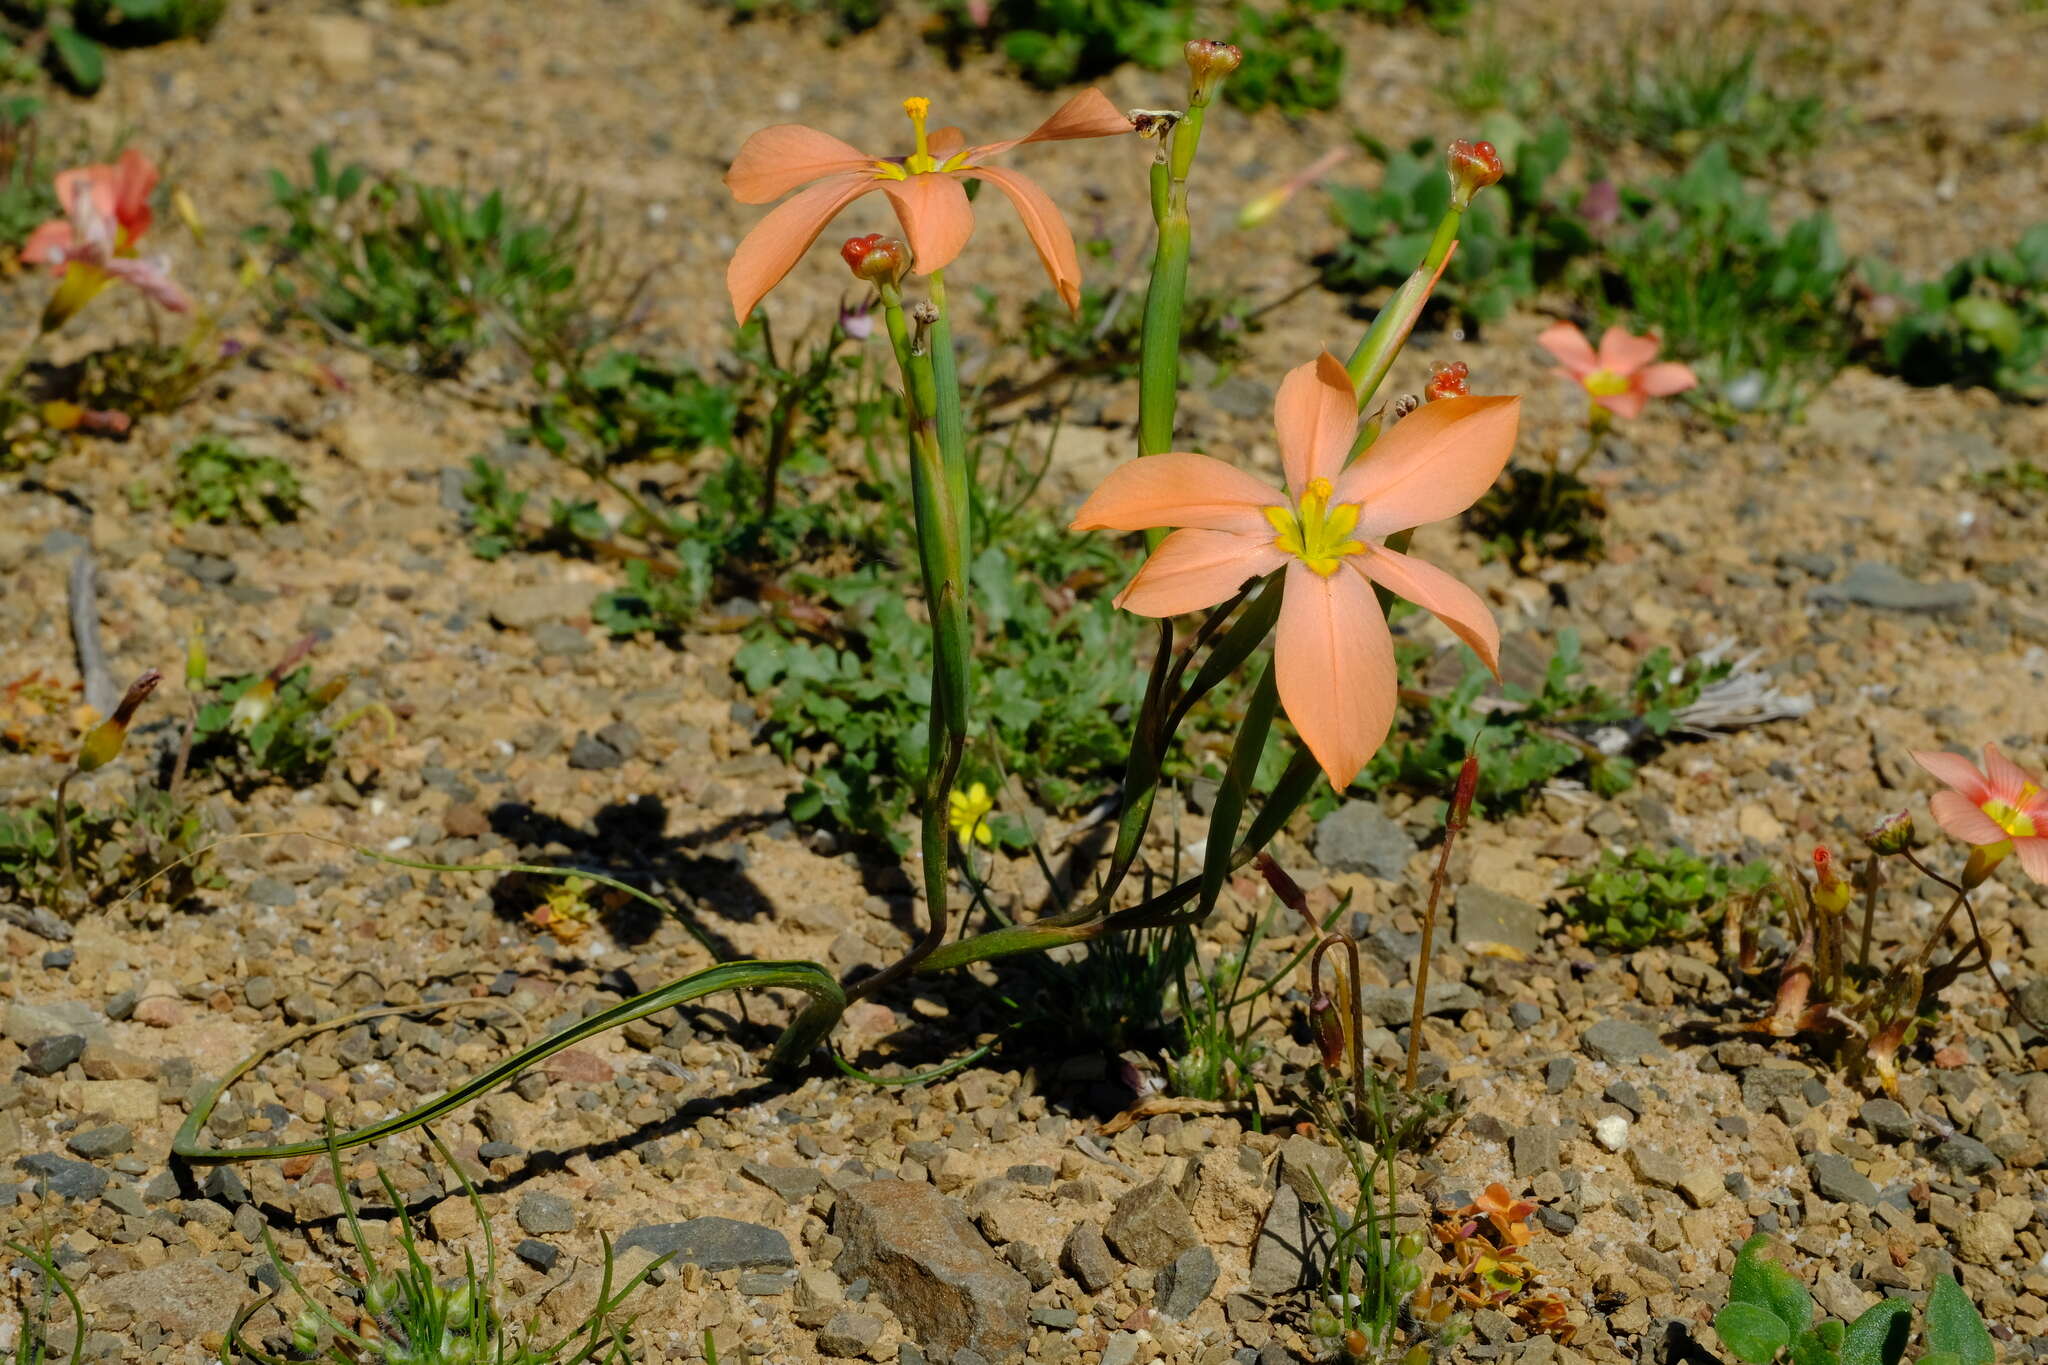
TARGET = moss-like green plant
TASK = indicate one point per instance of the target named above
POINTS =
(1642, 897)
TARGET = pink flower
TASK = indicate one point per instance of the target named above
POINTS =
(1333, 653)
(1621, 377)
(2000, 809)
(106, 211)
(924, 187)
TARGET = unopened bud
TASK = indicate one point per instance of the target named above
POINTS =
(188, 214)
(1328, 1027)
(1984, 860)
(1473, 166)
(195, 658)
(103, 744)
(326, 692)
(1830, 892)
(1285, 887)
(1891, 835)
(1461, 799)
(1209, 61)
(1447, 380)
(876, 259)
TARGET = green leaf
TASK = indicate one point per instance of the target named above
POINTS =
(1878, 1337)
(84, 61)
(1753, 1333)
(1953, 1327)
(1764, 1283)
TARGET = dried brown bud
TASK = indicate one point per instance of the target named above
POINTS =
(103, 744)
(1473, 166)
(1285, 887)
(1328, 1028)
(1893, 834)
(1154, 123)
(1209, 61)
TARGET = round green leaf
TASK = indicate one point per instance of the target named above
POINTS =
(1754, 1334)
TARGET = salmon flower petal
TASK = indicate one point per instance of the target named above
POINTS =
(1955, 771)
(1195, 569)
(1625, 354)
(1627, 404)
(779, 240)
(2008, 781)
(936, 218)
(1432, 464)
(49, 244)
(776, 160)
(2033, 856)
(1663, 380)
(152, 276)
(1315, 418)
(1569, 345)
(1088, 114)
(1439, 594)
(1179, 490)
(1965, 819)
(1048, 230)
(1335, 669)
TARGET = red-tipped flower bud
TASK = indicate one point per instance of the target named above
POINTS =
(876, 259)
(1830, 892)
(1209, 61)
(1473, 166)
(1447, 380)
(1893, 834)
(1328, 1028)
(1461, 799)
(1285, 887)
(103, 743)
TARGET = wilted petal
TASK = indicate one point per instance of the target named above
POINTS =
(1088, 114)
(936, 218)
(1962, 818)
(152, 276)
(1571, 348)
(1315, 419)
(1047, 228)
(1436, 592)
(1956, 771)
(1625, 354)
(1432, 464)
(779, 240)
(776, 160)
(1666, 378)
(1195, 569)
(1336, 669)
(1179, 490)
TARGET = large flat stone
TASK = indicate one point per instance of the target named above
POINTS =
(714, 1243)
(921, 1253)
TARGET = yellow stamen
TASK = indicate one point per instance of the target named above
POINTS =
(918, 107)
(1316, 533)
(1606, 384)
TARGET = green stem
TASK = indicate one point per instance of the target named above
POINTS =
(952, 427)
(1383, 340)
(1235, 789)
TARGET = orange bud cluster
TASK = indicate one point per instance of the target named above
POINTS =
(875, 258)
(1473, 166)
(1447, 380)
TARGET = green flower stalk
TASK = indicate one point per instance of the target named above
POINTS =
(101, 746)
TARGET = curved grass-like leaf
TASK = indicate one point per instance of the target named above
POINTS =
(807, 977)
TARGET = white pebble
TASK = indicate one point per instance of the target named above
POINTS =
(1612, 1131)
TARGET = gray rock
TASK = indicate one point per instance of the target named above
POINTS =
(793, 1183)
(1185, 1282)
(1394, 1006)
(1487, 916)
(561, 641)
(1535, 1151)
(1619, 1042)
(1058, 1319)
(1872, 584)
(540, 1214)
(622, 736)
(1887, 1120)
(1087, 1258)
(1359, 837)
(51, 1054)
(767, 1284)
(1122, 1349)
(1966, 1156)
(922, 1256)
(184, 1297)
(109, 1139)
(714, 1243)
(1150, 1226)
(593, 755)
(849, 1335)
(1834, 1177)
(260, 992)
(540, 1255)
(1289, 1246)
(36, 920)
(1655, 1168)
(65, 1178)
(272, 892)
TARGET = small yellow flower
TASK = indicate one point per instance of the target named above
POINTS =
(969, 814)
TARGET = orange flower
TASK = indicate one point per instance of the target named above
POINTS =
(1333, 653)
(1621, 377)
(924, 187)
(106, 211)
(2000, 810)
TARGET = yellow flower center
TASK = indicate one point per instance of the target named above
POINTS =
(2012, 819)
(1606, 384)
(1314, 532)
(921, 161)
